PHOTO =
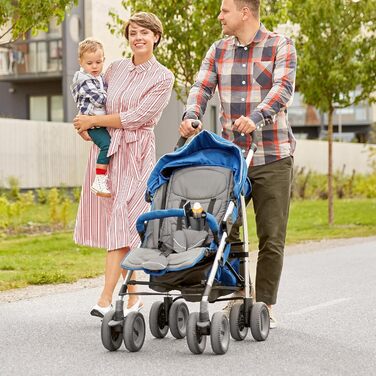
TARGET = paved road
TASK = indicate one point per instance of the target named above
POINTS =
(327, 316)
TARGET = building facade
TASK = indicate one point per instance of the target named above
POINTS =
(35, 75)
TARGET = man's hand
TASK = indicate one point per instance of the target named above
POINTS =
(85, 136)
(186, 130)
(244, 125)
(83, 122)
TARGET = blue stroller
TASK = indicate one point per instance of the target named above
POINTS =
(196, 193)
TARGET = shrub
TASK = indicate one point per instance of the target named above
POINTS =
(76, 194)
(53, 201)
(14, 188)
(42, 195)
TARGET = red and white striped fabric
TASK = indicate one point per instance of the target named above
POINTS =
(139, 94)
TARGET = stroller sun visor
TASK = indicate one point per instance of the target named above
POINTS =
(205, 149)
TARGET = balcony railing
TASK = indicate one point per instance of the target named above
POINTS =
(31, 58)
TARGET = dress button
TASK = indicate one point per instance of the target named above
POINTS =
(242, 134)
(243, 151)
(245, 48)
(243, 82)
(244, 65)
(243, 99)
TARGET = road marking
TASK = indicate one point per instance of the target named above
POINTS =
(319, 306)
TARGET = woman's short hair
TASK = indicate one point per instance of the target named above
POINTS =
(147, 20)
(89, 45)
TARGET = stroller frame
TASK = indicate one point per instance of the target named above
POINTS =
(243, 315)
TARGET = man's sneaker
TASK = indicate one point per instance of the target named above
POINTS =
(100, 186)
(227, 309)
(273, 321)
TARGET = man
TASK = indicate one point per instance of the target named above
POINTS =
(254, 70)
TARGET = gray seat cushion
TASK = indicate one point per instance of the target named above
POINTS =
(154, 260)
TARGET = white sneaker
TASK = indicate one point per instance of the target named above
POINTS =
(273, 321)
(99, 311)
(100, 186)
(135, 308)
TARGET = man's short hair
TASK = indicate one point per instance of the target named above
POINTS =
(253, 5)
(89, 45)
(147, 20)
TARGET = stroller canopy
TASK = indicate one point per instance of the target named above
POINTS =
(205, 149)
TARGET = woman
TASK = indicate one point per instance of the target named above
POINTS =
(139, 89)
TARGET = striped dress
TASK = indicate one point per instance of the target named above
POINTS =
(139, 93)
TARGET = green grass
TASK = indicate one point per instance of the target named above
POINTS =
(41, 259)
(37, 260)
(309, 220)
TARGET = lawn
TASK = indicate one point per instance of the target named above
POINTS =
(309, 220)
(54, 258)
(36, 260)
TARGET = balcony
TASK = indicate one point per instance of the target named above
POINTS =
(31, 59)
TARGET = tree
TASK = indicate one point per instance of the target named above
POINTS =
(190, 27)
(336, 59)
(19, 17)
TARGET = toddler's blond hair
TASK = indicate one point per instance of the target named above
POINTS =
(89, 45)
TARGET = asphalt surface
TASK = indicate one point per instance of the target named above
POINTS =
(326, 314)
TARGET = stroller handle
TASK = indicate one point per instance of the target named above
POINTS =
(182, 140)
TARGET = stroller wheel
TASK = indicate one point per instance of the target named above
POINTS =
(112, 336)
(177, 319)
(260, 321)
(238, 329)
(158, 320)
(195, 340)
(134, 331)
(220, 333)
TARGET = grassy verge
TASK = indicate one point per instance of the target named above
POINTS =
(37, 260)
(42, 259)
(309, 220)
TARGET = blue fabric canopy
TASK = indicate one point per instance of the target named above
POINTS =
(205, 149)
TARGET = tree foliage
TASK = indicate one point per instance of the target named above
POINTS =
(336, 58)
(19, 17)
(336, 51)
(190, 27)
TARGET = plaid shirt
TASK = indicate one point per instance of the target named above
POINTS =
(256, 81)
(89, 93)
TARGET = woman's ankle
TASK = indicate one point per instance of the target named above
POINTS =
(104, 301)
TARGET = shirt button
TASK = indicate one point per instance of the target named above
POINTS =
(243, 82)
(244, 65)
(243, 151)
(242, 134)
(243, 99)
(245, 48)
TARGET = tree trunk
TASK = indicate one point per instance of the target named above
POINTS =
(330, 168)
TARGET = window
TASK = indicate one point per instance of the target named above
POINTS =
(38, 108)
(46, 108)
(57, 112)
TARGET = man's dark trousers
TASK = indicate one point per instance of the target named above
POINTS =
(271, 191)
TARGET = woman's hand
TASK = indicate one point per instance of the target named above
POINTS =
(83, 122)
(85, 136)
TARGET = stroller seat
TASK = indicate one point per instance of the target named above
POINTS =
(172, 244)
